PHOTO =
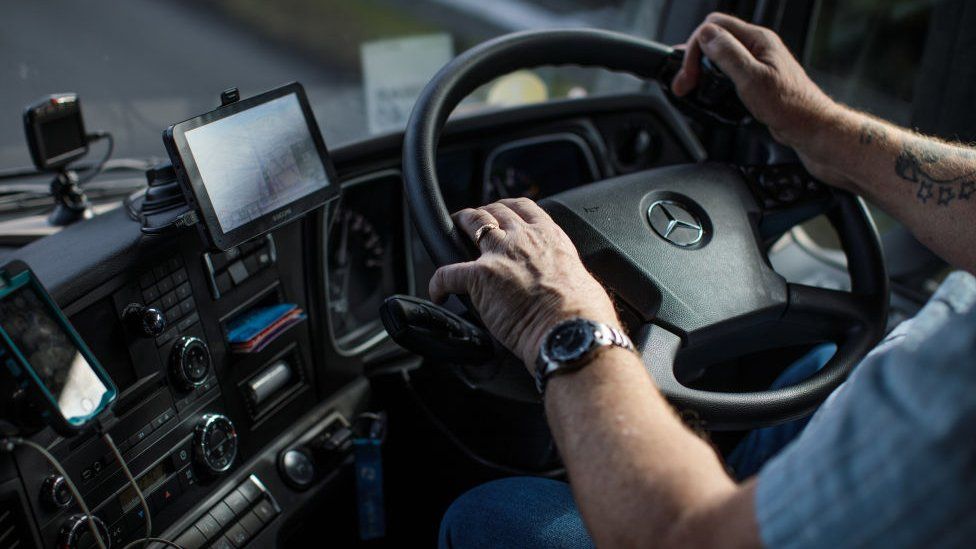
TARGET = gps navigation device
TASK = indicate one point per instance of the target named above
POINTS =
(252, 165)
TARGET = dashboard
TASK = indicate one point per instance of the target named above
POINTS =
(234, 444)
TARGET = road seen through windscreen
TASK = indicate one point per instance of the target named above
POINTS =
(140, 65)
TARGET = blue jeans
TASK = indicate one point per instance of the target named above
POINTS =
(537, 512)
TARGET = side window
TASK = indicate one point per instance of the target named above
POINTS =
(867, 53)
(910, 61)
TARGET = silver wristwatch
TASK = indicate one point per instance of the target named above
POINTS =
(572, 344)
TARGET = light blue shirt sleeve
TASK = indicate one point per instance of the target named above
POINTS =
(889, 460)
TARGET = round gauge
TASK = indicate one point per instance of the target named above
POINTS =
(365, 258)
(357, 257)
(216, 443)
(190, 360)
(76, 532)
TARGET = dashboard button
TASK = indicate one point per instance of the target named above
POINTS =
(222, 543)
(163, 418)
(159, 271)
(140, 435)
(184, 291)
(169, 300)
(135, 519)
(251, 523)
(237, 503)
(251, 262)
(169, 491)
(150, 294)
(181, 457)
(180, 276)
(223, 514)
(187, 478)
(238, 535)
(191, 539)
(265, 511)
(166, 284)
(187, 305)
(173, 314)
(238, 272)
(249, 490)
(208, 526)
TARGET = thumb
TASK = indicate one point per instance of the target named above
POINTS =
(451, 279)
(726, 51)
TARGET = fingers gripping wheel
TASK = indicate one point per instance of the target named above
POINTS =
(716, 298)
(715, 94)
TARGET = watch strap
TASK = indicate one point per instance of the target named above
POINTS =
(604, 335)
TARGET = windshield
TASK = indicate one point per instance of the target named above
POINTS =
(140, 65)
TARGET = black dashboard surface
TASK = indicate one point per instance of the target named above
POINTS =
(336, 265)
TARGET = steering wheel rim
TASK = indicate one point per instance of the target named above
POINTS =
(864, 309)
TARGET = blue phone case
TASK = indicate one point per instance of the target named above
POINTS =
(21, 368)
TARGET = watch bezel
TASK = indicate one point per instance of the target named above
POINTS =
(559, 352)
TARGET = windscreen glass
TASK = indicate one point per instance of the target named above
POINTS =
(257, 161)
(51, 352)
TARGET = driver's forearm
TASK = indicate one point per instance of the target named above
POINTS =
(927, 184)
(640, 477)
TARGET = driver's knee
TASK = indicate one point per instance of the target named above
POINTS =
(515, 512)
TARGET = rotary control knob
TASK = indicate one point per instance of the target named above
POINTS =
(144, 320)
(190, 362)
(55, 493)
(215, 443)
(76, 532)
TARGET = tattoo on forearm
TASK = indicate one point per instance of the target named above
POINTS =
(918, 160)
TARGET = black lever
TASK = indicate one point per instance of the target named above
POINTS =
(430, 330)
(715, 93)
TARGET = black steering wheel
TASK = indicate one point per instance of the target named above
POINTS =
(682, 248)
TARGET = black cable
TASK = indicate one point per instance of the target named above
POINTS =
(182, 221)
(97, 168)
(463, 448)
(10, 442)
(107, 438)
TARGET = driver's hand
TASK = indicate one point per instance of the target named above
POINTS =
(528, 278)
(769, 80)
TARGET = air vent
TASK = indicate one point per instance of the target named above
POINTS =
(15, 532)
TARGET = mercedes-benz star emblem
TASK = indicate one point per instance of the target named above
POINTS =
(675, 223)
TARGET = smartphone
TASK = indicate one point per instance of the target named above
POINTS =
(47, 356)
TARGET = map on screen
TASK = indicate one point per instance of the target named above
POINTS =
(257, 161)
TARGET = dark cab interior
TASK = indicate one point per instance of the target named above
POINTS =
(332, 389)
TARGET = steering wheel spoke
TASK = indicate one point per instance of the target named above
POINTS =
(825, 311)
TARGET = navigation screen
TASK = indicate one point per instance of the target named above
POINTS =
(256, 161)
(64, 371)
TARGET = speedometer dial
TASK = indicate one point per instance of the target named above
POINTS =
(365, 258)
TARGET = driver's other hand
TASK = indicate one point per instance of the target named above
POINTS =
(769, 80)
(528, 278)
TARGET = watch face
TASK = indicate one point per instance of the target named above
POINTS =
(570, 341)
